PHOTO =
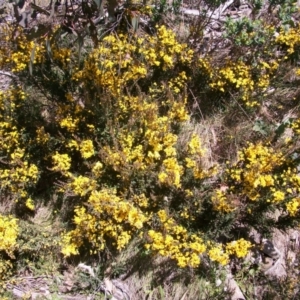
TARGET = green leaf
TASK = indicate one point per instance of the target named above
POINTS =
(260, 127)
(251, 272)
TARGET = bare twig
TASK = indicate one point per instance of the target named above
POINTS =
(9, 74)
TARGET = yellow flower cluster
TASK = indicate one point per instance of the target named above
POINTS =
(41, 136)
(69, 123)
(217, 254)
(293, 206)
(87, 149)
(142, 145)
(193, 159)
(8, 234)
(6, 268)
(112, 64)
(221, 254)
(194, 146)
(30, 204)
(254, 170)
(17, 173)
(25, 52)
(61, 55)
(237, 74)
(221, 201)
(263, 175)
(81, 185)
(239, 248)
(241, 77)
(97, 169)
(171, 172)
(289, 39)
(174, 241)
(178, 83)
(156, 133)
(61, 162)
(109, 218)
(295, 125)
(205, 65)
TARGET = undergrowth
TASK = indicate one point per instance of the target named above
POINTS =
(129, 132)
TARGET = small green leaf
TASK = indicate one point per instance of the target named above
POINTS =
(260, 127)
(251, 272)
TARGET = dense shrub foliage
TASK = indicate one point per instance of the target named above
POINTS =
(110, 131)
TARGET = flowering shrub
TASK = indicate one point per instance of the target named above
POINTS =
(17, 173)
(289, 39)
(221, 253)
(175, 242)
(104, 131)
(110, 217)
(261, 180)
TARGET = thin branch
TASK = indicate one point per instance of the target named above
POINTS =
(242, 109)
(9, 74)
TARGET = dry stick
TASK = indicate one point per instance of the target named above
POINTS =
(196, 103)
(183, 296)
(241, 108)
(3, 162)
(8, 74)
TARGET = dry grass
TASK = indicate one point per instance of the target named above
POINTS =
(148, 277)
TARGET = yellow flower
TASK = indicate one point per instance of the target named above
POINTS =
(97, 168)
(278, 196)
(190, 163)
(30, 204)
(194, 146)
(87, 149)
(135, 218)
(42, 136)
(68, 247)
(9, 231)
(62, 162)
(73, 144)
(17, 154)
(162, 216)
(162, 177)
(220, 202)
(240, 248)
(293, 206)
(69, 123)
(123, 239)
(217, 254)
(81, 185)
